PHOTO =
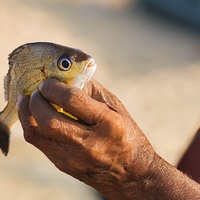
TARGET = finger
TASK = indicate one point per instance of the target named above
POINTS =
(32, 134)
(74, 101)
(25, 116)
(28, 123)
(53, 124)
(94, 89)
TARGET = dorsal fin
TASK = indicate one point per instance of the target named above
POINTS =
(12, 61)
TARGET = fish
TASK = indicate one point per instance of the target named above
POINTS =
(32, 63)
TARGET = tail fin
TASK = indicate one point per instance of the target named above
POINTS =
(4, 138)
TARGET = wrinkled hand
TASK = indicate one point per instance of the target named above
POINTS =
(104, 148)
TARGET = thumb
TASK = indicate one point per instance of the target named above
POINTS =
(94, 89)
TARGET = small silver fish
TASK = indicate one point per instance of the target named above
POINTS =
(32, 63)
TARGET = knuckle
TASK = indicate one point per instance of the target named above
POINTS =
(51, 126)
(112, 121)
(117, 123)
(30, 134)
(103, 115)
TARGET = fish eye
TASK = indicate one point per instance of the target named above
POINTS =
(64, 63)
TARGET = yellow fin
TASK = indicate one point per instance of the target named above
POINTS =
(69, 115)
(59, 109)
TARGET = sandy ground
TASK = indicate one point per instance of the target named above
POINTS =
(150, 63)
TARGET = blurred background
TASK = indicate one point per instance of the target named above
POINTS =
(148, 54)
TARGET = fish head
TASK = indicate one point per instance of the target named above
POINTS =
(71, 66)
(41, 60)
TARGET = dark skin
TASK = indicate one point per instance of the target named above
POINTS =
(105, 148)
(190, 161)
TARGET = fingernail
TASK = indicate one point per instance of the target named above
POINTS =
(19, 99)
(34, 92)
(41, 85)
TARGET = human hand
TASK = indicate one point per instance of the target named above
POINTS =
(104, 148)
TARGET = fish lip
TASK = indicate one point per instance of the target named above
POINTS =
(90, 63)
(90, 66)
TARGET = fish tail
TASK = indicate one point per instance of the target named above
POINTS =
(4, 138)
(7, 118)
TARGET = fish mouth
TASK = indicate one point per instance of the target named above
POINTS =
(87, 73)
(90, 67)
(91, 63)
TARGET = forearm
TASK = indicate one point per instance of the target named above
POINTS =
(163, 181)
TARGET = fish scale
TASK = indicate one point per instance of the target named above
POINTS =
(32, 63)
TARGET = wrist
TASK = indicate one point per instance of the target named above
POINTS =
(163, 181)
(130, 184)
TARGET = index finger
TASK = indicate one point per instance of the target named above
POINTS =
(74, 101)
